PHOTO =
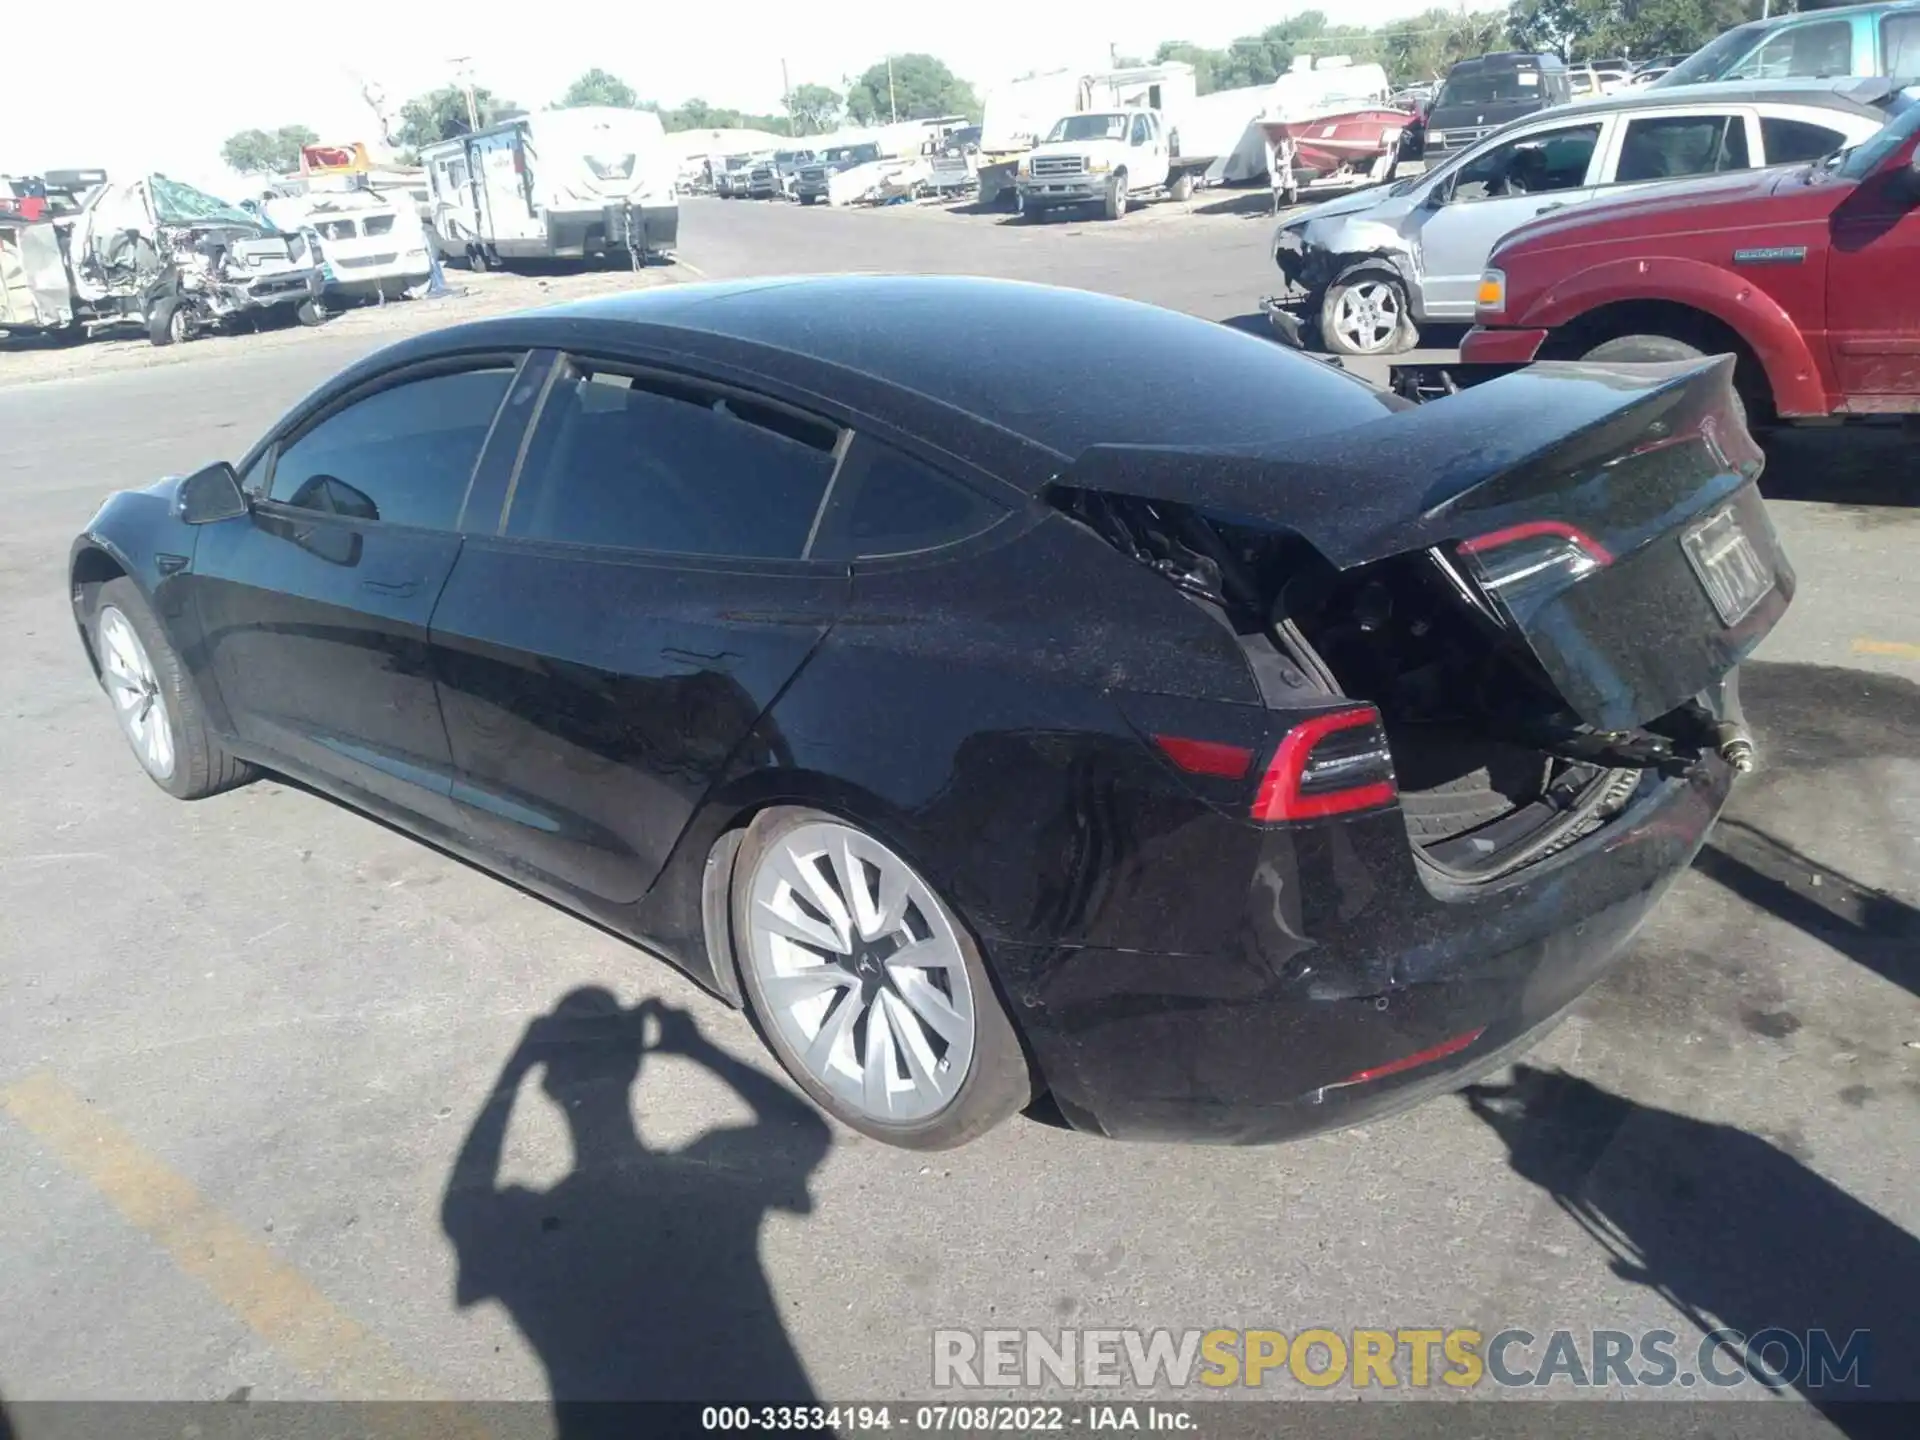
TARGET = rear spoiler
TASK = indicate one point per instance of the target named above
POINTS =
(1533, 445)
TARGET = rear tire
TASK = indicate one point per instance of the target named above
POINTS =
(855, 1028)
(1182, 187)
(155, 699)
(1656, 350)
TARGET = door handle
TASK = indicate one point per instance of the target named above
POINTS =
(1557, 205)
(399, 589)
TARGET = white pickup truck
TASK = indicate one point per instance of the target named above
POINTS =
(1108, 158)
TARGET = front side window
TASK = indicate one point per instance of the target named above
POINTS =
(661, 466)
(1536, 164)
(1668, 147)
(402, 455)
(1821, 50)
(1790, 142)
(1139, 129)
(887, 503)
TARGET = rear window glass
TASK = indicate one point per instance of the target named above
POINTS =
(886, 503)
(1788, 141)
(653, 466)
(1672, 146)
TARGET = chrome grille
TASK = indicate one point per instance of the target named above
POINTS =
(1049, 165)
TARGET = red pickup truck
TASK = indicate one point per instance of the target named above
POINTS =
(1809, 275)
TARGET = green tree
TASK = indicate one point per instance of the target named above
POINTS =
(598, 87)
(814, 109)
(442, 114)
(267, 152)
(922, 86)
(1598, 29)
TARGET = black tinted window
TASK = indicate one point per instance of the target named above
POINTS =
(649, 466)
(1672, 146)
(403, 455)
(885, 503)
(1788, 141)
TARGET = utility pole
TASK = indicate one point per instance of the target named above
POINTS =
(786, 95)
(892, 109)
(465, 76)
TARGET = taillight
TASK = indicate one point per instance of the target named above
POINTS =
(1526, 563)
(1333, 764)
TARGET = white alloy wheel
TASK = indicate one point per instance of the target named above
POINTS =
(1367, 316)
(135, 687)
(861, 970)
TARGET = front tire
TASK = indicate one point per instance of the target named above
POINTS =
(155, 699)
(311, 312)
(167, 322)
(868, 989)
(1113, 204)
(1655, 350)
(1367, 314)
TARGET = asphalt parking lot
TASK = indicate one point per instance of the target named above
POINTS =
(242, 1041)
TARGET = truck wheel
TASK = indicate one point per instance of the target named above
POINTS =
(1114, 205)
(1366, 314)
(476, 258)
(311, 312)
(1655, 350)
(167, 323)
(1182, 188)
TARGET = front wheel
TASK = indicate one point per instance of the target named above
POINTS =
(1113, 204)
(1655, 350)
(154, 698)
(167, 322)
(867, 988)
(311, 312)
(1367, 314)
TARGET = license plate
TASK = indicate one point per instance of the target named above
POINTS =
(1727, 566)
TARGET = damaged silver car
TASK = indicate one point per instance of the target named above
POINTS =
(181, 262)
(1367, 270)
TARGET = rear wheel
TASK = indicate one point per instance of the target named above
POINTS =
(154, 698)
(1367, 314)
(1655, 350)
(1182, 187)
(867, 988)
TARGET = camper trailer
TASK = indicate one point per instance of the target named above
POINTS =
(563, 184)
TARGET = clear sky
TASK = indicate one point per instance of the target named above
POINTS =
(194, 76)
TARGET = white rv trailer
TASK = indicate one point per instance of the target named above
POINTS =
(563, 184)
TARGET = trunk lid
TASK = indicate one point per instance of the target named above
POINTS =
(1607, 518)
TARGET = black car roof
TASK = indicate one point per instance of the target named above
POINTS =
(1059, 368)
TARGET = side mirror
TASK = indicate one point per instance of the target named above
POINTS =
(211, 495)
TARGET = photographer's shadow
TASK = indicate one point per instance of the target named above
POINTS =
(638, 1275)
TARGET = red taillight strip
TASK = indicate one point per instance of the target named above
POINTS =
(1533, 530)
(1206, 757)
(1279, 797)
(1415, 1060)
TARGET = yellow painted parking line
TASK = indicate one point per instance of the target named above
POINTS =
(272, 1297)
(1898, 649)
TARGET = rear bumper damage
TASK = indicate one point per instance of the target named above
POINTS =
(1351, 988)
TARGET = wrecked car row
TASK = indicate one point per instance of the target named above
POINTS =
(152, 252)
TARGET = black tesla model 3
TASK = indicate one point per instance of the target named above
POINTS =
(999, 690)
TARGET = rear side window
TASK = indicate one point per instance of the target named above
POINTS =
(403, 455)
(1789, 141)
(887, 503)
(1900, 38)
(1671, 146)
(659, 466)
